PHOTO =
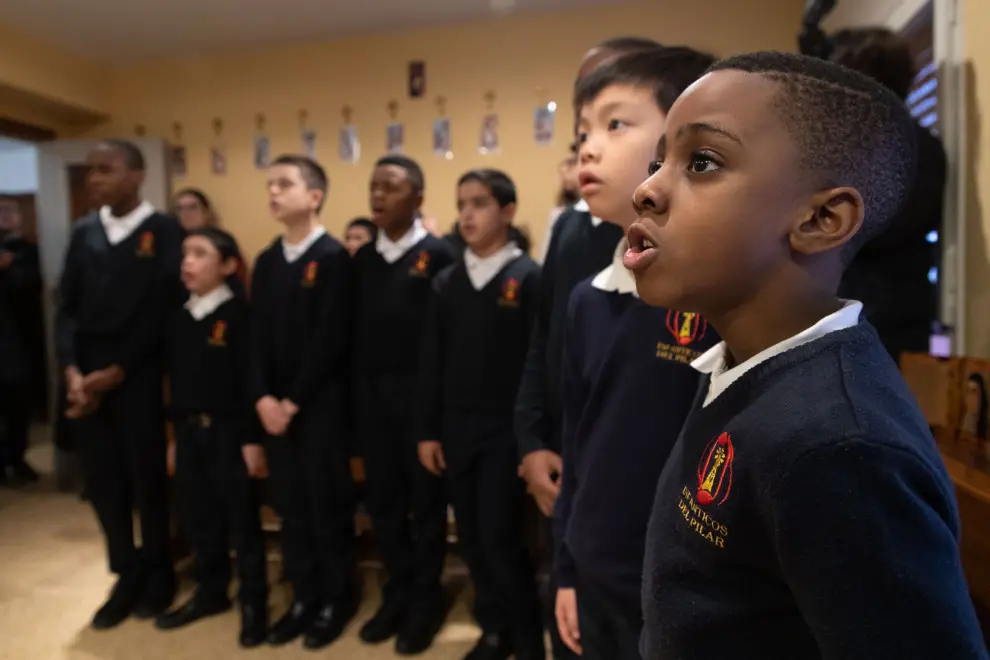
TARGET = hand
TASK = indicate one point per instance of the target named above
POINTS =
(538, 469)
(74, 385)
(254, 459)
(103, 380)
(6, 259)
(566, 611)
(86, 405)
(289, 408)
(431, 456)
(272, 416)
(170, 458)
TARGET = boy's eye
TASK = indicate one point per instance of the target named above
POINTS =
(702, 164)
(615, 124)
(654, 167)
(582, 137)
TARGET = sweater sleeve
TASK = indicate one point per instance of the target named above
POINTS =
(259, 337)
(68, 300)
(144, 337)
(328, 348)
(532, 425)
(575, 394)
(866, 536)
(429, 380)
(240, 346)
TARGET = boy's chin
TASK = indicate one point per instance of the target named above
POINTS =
(656, 294)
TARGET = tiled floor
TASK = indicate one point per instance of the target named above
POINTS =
(53, 575)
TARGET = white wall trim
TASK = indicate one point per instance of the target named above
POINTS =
(904, 12)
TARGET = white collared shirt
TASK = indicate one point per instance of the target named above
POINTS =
(713, 360)
(482, 270)
(200, 307)
(392, 251)
(118, 229)
(582, 206)
(616, 277)
(292, 251)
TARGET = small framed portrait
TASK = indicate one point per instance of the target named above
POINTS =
(395, 138)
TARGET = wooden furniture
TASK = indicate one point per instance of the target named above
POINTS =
(973, 494)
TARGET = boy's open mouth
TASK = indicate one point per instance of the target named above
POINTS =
(642, 248)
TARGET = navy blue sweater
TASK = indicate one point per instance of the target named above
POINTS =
(805, 513)
(628, 386)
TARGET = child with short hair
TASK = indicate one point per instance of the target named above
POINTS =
(805, 511)
(300, 333)
(474, 347)
(622, 360)
(394, 284)
(216, 454)
(120, 279)
(360, 231)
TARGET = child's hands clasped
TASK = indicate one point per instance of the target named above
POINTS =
(431, 456)
(254, 459)
(272, 415)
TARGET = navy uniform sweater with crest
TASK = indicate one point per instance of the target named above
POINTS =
(114, 299)
(628, 386)
(392, 301)
(301, 315)
(474, 345)
(207, 363)
(805, 513)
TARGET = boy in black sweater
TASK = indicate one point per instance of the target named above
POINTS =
(216, 454)
(805, 512)
(474, 346)
(299, 336)
(118, 283)
(622, 360)
(394, 284)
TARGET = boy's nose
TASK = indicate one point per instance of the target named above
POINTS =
(649, 197)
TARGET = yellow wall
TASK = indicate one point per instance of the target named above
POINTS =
(976, 19)
(515, 57)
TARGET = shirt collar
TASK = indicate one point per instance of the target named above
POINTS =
(200, 307)
(713, 361)
(482, 270)
(391, 250)
(616, 277)
(582, 207)
(293, 251)
(119, 228)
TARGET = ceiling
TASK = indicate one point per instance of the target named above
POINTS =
(139, 29)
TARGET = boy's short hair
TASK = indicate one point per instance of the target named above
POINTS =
(628, 44)
(850, 130)
(133, 158)
(312, 173)
(878, 53)
(666, 71)
(413, 171)
(223, 241)
(500, 184)
(366, 223)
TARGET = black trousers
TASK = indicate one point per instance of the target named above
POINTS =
(610, 624)
(122, 450)
(219, 508)
(15, 412)
(310, 483)
(407, 504)
(488, 499)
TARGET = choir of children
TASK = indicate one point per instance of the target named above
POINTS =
(833, 533)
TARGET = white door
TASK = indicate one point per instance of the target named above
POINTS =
(54, 207)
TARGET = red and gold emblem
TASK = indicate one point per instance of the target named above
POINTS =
(715, 471)
(686, 327)
(511, 290)
(422, 262)
(309, 275)
(218, 336)
(146, 245)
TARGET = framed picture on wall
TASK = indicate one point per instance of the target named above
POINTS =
(543, 123)
(394, 139)
(417, 79)
(441, 138)
(489, 134)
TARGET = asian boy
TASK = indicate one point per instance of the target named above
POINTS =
(119, 281)
(623, 360)
(300, 331)
(473, 350)
(805, 511)
(394, 284)
(216, 452)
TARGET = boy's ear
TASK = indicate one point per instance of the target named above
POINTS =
(229, 266)
(317, 196)
(509, 212)
(832, 218)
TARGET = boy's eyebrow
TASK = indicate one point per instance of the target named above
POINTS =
(695, 128)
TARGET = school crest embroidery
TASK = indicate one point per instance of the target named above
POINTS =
(510, 293)
(422, 264)
(715, 471)
(218, 335)
(309, 275)
(146, 245)
(686, 327)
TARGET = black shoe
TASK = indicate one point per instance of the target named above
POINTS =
(384, 624)
(329, 624)
(292, 624)
(420, 627)
(119, 605)
(254, 625)
(159, 592)
(491, 646)
(198, 608)
(23, 473)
